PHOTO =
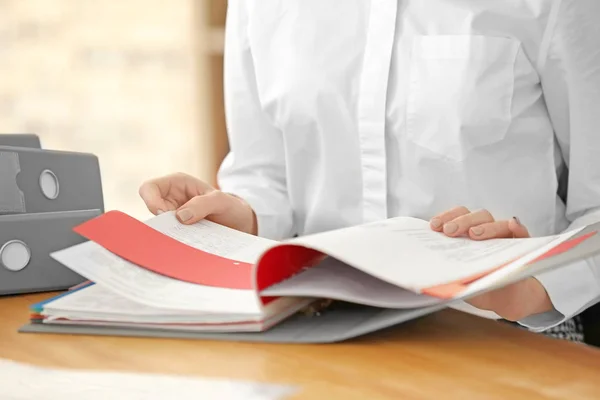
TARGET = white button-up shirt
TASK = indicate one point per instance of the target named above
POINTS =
(345, 112)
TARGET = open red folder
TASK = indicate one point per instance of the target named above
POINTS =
(142, 245)
(165, 275)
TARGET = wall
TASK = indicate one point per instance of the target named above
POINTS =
(124, 79)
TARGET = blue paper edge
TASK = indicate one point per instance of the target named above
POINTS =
(37, 307)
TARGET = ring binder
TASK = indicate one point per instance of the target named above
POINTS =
(44, 194)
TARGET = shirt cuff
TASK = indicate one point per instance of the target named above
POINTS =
(571, 290)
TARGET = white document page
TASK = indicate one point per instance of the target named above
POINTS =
(248, 327)
(25, 382)
(141, 285)
(515, 271)
(213, 238)
(335, 280)
(147, 287)
(98, 303)
(469, 309)
(332, 279)
(407, 253)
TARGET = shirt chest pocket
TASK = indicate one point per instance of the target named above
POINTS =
(460, 92)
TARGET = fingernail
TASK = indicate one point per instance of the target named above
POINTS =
(184, 215)
(517, 220)
(477, 230)
(436, 222)
(450, 228)
(159, 211)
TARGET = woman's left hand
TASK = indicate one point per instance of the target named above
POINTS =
(513, 302)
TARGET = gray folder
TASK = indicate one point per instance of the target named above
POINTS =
(342, 322)
(36, 180)
(26, 241)
(20, 140)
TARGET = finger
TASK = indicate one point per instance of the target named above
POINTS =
(461, 225)
(200, 207)
(437, 222)
(152, 197)
(499, 229)
(186, 186)
(519, 230)
(490, 230)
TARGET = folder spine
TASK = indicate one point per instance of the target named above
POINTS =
(44, 194)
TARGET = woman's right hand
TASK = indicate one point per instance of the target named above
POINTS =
(194, 200)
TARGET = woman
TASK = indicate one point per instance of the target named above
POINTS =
(345, 112)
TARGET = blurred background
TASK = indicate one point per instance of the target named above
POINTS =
(136, 82)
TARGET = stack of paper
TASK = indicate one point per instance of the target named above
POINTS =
(163, 278)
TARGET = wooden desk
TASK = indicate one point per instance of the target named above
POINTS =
(448, 355)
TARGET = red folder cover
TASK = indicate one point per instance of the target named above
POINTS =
(142, 245)
(146, 247)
